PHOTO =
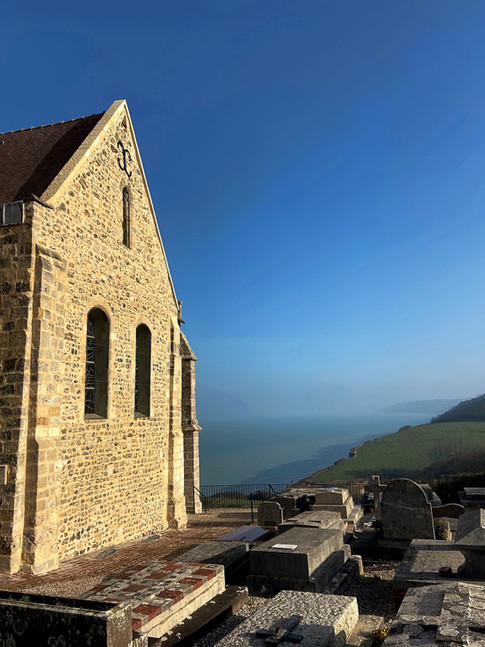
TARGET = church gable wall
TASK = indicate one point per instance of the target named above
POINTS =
(111, 474)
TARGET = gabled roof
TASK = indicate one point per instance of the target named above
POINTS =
(30, 159)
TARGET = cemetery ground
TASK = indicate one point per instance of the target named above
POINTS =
(373, 590)
(412, 452)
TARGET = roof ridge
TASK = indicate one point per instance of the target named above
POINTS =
(58, 123)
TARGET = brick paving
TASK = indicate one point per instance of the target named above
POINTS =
(77, 576)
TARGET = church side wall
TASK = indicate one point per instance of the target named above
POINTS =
(16, 292)
(112, 473)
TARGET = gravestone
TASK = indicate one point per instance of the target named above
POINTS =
(449, 614)
(406, 512)
(326, 620)
(292, 503)
(376, 488)
(301, 559)
(450, 510)
(472, 497)
(270, 514)
(470, 541)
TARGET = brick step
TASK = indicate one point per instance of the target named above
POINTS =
(207, 616)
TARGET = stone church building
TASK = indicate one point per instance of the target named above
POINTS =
(98, 430)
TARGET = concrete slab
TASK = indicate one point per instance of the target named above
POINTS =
(344, 509)
(232, 555)
(245, 533)
(328, 620)
(308, 559)
(311, 548)
(423, 560)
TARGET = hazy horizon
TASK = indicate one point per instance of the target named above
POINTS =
(317, 173)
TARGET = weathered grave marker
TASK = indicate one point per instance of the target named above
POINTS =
(406, 512)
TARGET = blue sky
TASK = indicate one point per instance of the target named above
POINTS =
(317, 168)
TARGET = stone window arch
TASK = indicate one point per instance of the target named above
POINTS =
(126, 217)
(97, 357)
(143, 371)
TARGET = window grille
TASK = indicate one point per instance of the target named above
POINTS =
(97, 355)
(126, 218)
(143, 371)
(11, 213)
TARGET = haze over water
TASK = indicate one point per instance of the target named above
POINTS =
(282, 450)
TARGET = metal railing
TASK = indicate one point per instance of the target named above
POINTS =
(249, 494)
(237, 496)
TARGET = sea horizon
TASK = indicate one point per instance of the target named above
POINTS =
(273, 450)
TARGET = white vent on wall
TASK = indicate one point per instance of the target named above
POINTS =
(11, 213)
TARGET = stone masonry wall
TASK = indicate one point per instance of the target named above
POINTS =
(16, 290)
(107, 480)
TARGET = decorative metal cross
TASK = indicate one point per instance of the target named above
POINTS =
(282, 630)
(126, 158)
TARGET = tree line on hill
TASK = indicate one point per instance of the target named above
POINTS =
(467, 410)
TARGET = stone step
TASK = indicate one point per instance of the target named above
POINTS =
(220, 607)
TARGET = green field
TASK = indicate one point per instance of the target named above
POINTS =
(408, 451)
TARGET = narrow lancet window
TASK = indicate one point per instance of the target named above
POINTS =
(97, 355)
(143, 370)
(126, 218)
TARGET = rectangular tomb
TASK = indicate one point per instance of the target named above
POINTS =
(326, 620)
(301, 559)
(314, 519)
(162, 593)
(45, 620)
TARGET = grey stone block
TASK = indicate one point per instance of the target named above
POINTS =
(328, 620)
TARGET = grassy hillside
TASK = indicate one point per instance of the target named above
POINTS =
(409, 452)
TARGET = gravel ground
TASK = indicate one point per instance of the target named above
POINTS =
(373, 592)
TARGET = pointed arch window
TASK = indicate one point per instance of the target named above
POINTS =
(97, 356)
(143, 371)
(126, 217)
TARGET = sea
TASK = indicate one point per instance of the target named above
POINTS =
(285, 450)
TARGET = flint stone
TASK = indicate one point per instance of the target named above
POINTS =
(328, 620)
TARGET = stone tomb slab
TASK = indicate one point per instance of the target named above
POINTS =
(302, 559)
(29, 620)
(314, 519)
(423, 560)
(245, 533)
(232, 555)
(451, 613)
(328, 620)
(161, 593)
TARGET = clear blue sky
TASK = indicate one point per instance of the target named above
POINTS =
(318, 172)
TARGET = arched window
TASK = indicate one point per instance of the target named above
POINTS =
(126, 217)
(97, 354)
(143, 370)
